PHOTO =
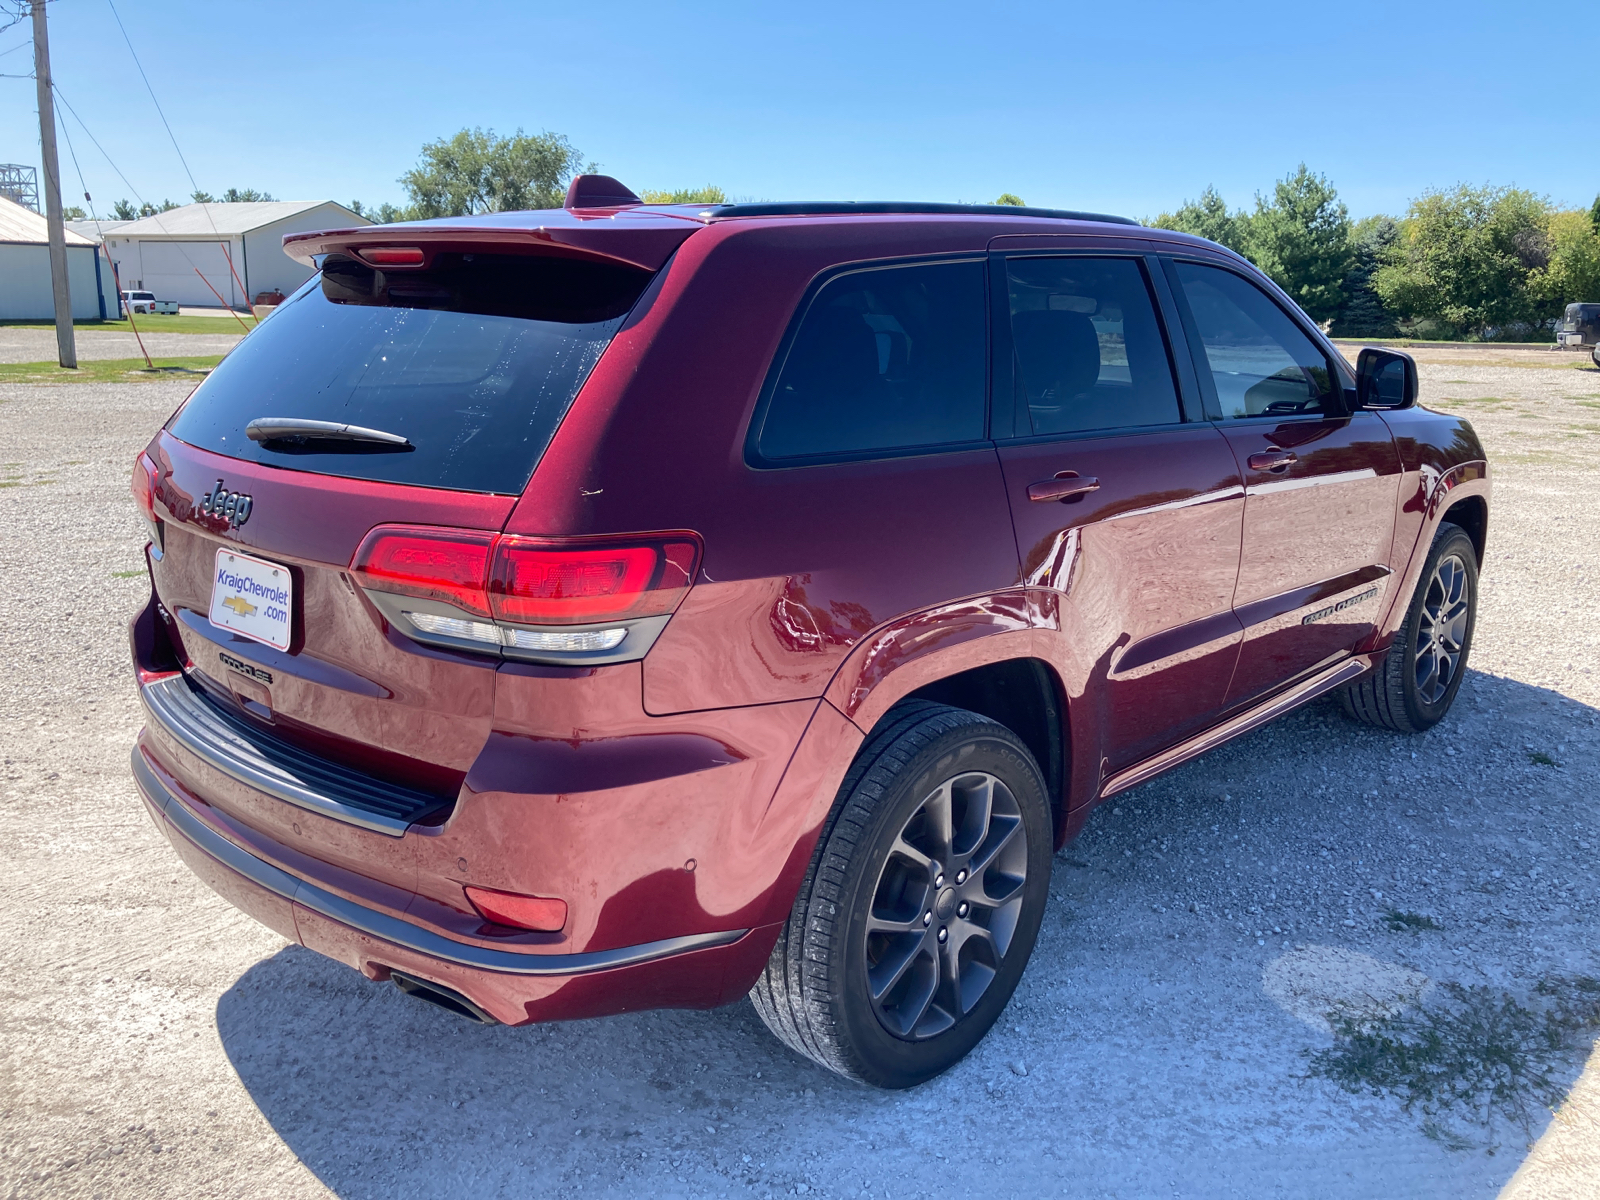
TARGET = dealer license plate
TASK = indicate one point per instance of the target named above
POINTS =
(253, 598)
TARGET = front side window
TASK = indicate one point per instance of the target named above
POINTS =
(885, 360)
(1089, 351)
(1260, 362)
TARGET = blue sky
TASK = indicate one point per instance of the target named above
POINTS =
(1126, 108)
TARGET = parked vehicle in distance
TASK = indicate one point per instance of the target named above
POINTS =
(146, 302)
(571, 612)
(1580, 326)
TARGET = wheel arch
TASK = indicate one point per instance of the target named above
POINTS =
(1472, 514)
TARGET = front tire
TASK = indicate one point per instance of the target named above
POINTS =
(921, 904)
(1417, 681)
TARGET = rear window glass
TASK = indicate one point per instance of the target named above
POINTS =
(473, 361)
(884, 360)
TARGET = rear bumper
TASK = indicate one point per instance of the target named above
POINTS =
(515, 987)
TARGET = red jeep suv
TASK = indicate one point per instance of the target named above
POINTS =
(571, 612)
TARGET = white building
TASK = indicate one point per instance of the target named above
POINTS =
(25, 292)
(236, 249)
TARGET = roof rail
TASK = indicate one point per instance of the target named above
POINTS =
(844, 207)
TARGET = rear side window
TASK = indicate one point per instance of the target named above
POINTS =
(884, 360)
(1090, 354)
(474, 361)
(1259, 361)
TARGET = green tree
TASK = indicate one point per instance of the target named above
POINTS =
(1364, 314)
(1010, 198)
(710, 194)
(74, 212)
(1594, 214)
(1464, 259)
(123, 210)
(1573, 270)
(1301, 239)
(477, 172)
(1207, 217)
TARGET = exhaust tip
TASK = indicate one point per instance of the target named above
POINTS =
(445, 998)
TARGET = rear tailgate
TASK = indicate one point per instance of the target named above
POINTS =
(464, 365)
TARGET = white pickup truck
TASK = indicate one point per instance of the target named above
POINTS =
(146, 302)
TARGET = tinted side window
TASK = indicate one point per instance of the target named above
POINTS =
(1261, 363)
(887, 359)
(1090, 354)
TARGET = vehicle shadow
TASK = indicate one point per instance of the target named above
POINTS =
(1142, 1026)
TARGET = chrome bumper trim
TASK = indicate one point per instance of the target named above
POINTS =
(393, 929)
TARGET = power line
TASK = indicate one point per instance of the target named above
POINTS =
(153, 99)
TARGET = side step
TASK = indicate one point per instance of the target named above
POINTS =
(446, 998)
(1319, 684)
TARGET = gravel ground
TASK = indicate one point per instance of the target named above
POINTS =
(159, 1043)
(39, 345)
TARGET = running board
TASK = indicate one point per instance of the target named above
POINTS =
(1325, 681)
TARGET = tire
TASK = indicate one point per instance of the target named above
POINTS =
(1417, 681)
(942, 959)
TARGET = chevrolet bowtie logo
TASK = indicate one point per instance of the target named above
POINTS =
(239, 605)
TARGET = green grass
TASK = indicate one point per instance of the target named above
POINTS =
(1540, 759)
(1399, 921)
(118, 370)
(152, 324)
(1471, 1053)
(126, 574)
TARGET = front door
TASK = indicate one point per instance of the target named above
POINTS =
(1129, 513)
(1321, 482)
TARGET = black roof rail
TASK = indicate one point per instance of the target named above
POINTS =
(857, 207)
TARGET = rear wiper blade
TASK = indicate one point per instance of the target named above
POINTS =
(301, 429)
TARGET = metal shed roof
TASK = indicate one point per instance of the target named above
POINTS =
(224, 220)
(23, 225)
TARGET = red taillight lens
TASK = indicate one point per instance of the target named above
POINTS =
(451, 565)
(144, 485)
(543, 913)
(392, 256)
(541, 582)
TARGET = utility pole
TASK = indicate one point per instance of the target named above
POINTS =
(65, 345)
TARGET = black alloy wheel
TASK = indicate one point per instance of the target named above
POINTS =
(921, 904)
(1414, 686)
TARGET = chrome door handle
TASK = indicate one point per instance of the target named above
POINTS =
(1273, 460)
(1065, 486)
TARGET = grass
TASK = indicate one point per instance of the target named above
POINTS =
(1540, 759)
(153, 324)
(1400, 921)
(126, 574)
(117, 370)
(1471, 1053)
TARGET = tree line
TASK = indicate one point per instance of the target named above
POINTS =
(1475, 262)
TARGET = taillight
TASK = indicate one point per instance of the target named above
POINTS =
(145, 477)
(392, 256)
(451, 565)
(541, 582)
(543, 913)
(505, 584)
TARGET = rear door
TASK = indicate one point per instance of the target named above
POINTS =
(1123, 502)
(1321, 481)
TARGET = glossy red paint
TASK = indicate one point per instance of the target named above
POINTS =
(681, 796)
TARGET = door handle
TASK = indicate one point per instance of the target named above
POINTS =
(1065, 486)
(1273, 460)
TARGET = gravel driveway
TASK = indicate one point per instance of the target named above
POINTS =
(1163, 1041)
(39, 345)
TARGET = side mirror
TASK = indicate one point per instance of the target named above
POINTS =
(1385, 379)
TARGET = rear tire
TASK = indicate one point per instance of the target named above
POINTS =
(921, 904)
(1417, 681)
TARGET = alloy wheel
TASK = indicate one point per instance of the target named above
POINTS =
(946, 906)
(1442, 629)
